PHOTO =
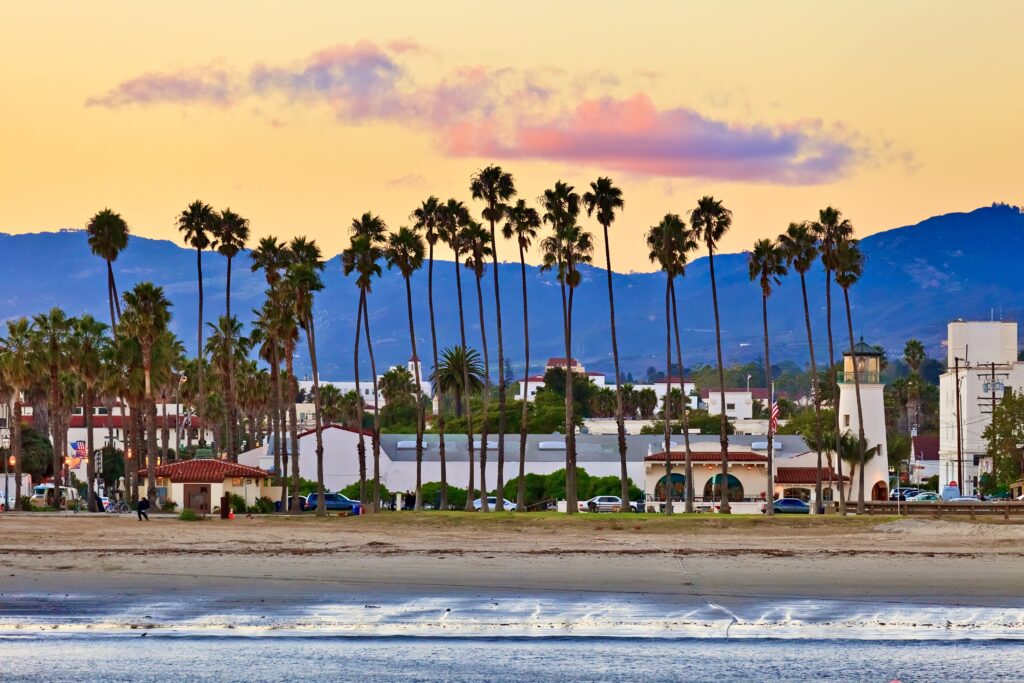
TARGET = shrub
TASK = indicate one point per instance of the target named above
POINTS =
(188, 516)
(238, 505)
(25, 504)
(168, 506)
(263, 506)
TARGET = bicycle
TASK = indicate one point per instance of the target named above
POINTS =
(119, 507)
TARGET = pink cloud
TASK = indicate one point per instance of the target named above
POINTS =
(636, 136)
(207, 86)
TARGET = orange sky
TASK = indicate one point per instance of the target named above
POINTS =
(301, 115)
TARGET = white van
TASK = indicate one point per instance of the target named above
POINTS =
(68, 495)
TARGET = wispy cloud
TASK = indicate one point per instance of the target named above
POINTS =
(502, 113)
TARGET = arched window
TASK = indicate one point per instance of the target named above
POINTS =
(713, 489)
(678, 488)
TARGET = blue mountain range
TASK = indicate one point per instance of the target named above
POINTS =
(917, 278)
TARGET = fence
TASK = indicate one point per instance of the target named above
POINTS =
(984, 509)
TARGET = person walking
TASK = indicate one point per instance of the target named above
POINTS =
(142, 506)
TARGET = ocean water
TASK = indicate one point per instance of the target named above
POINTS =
(495, 636)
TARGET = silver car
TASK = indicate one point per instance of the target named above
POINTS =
(605, 504)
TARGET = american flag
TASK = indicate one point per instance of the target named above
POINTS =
(773, 422)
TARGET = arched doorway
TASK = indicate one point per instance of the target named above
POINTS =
(678, 488)
(880, 491)
(713, 489)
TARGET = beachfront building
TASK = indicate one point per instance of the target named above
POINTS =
(739, 403)
(341, 455)
(986, 353)
(532, 384)
(199, 484)
(866, 360)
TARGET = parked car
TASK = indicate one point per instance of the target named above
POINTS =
(605, 504)
(788, 506)
(925, 497)
(903, 493)
(964, 499)
(492, 504)
(334, 502)
(303, 506)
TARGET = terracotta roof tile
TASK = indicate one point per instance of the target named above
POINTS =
(804, 475)
(708, 456)
(204, 471)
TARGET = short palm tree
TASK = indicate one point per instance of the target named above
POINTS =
(521, 224)
(564, 250)
(404, 252)
(91, 342)
(495, 187)
(710, 221)
(849, 266)
(398, 386)
(605, 199)
(427, 217)
(453, 218)
(50, 355)
(914, 356)
(198, 222)
(450, 377)
(231, 232)
(800, 247)
(476, 242)
(18, 374)
(831, 229)
(108, 237)
(766, 264)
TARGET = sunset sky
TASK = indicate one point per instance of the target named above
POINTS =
(301, 115)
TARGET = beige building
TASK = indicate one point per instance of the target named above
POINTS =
(198, 485)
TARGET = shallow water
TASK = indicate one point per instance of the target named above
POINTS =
(44, 657)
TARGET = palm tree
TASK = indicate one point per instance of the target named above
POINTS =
(521, 224)
(495, 187)
(684, 242)
(604, 198)
(330, 404)
(350, 409)
(230, 234)
(52, 331)
(428, 220)
(146, 317)
(18, 373)
(831, 229)
(567, 247)
(459, 375)
(198, 222)
(800, 247)
(453, 217)
(710, 221)
(363, 258)
(405, 252)
(398, 386)
(476, 242)
(108, 237)
(90, 349)
(303, 277)
(914, 356)
(766, 265)
(849, 266)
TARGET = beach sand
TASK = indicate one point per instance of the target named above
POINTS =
(938, 562)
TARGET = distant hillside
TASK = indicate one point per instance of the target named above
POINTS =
(961, 265)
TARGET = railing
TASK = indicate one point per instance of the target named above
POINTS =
(983, 508)
(865, 376)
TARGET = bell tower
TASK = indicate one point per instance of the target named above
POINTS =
(866, 362)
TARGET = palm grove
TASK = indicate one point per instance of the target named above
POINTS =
(242, 386)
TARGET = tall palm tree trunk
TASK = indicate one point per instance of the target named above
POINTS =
(860, 412)
(815, 395)
(293, 415)
(502, 420)
(465, 384)
(835, 387)
(524, 419)
(419, 398)
(571, 492)
(484, 506)
(440, 413)
(201, 398)
(686, 402)
(321, 504)
(724, 508)
(667, 412)
(375, 439)
(769, 508)
(112, 295)
(16, 446)
(619, 417)
(151, 450)
(90, 468)
(275, 424)
(231, 398)
(361, 444)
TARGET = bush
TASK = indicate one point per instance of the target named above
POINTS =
(432, 495)
(238, 505)
(25, 504)
(188, 516)
(263, 506)
(168, 506)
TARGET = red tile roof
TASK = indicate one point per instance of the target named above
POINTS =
(560, 362)
(204, 471)
(708, 456)
(117, 421)
(804, 475)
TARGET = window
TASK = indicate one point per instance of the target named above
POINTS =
(730, 406)
(846, 420)
(78, 411)
(100, 411)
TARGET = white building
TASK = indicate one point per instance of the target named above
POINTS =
(534, 383)
(366, 383)
(868, 365)
(739, 403)
(986, 352)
